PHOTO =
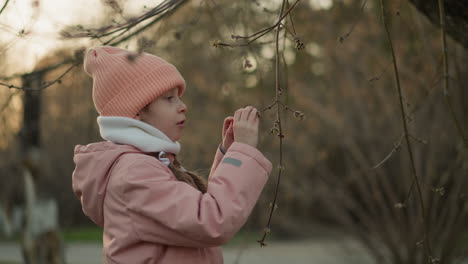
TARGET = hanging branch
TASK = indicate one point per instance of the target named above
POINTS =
(448, 100)
(41, 70)
(278, 125)
(258, 34)
(163, 9)
(277, 128)
(111, 42)
(4, 6)
(415, 109)
(45, 84)
(7, 102)
(345, 36)
(98, 33)
(406, 133)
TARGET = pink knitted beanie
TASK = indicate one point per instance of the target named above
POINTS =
(124, 82)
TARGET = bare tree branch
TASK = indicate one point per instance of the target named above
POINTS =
(448, 101)
(267, 229)
(260, 33)
(361, 10)
(166, 7)
(98, 33)
(403, 119)
(4, 6)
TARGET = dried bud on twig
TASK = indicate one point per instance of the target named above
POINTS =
(271, 204)
(298, 115)
(420, 243)
(216, 43)
(247, 64)
(400, 205)
(79, 54)
(144, 43)
(299, 44)
(114, 5)
(440, 191)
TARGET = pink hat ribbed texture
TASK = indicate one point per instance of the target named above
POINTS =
(124, 82)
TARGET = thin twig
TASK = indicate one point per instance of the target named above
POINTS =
(260, 33)
(166, 8)
(145, 27)
(403, 119)
(448, 100)
(45, 84)
(39, 71)
(267, 230)
(345, 36)
(57, 80)
(269, 107)
(377, 77)
(7, 102)
(395, 149)
(115, 28)
(291, 19)
(11, 86)
(4, 6)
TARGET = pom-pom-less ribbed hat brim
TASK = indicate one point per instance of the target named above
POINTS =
(143, 91)
(125, 82)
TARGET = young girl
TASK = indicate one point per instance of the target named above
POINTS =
(151, 209)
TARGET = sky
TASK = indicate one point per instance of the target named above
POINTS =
(29, 29)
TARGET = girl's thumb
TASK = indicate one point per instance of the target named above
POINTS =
(230, 129)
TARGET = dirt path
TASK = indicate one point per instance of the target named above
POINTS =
(305, 251)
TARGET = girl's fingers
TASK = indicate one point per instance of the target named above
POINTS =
(253, 115)
(237, 115)
(257, 116)
(241, 114)
(227, 122)
(246, 113)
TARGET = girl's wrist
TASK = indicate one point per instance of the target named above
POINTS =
(221, 148)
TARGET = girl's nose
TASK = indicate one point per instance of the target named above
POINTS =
(183, 107)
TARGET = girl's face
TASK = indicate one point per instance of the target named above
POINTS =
(166, 113)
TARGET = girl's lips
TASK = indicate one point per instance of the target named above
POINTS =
(181, 123)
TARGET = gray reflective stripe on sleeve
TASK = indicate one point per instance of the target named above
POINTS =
(232, 161)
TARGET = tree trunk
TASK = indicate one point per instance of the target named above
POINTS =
(41, 241)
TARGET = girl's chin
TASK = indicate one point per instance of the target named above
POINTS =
(175, 138)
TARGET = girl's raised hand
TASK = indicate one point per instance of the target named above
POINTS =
(228, 133)
(246, 126)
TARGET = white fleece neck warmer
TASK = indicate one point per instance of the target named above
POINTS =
(125, 130)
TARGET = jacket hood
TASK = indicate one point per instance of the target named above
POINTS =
(93, 164)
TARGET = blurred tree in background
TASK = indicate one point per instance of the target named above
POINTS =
(346, 165)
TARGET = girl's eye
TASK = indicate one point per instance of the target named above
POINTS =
(169, 97)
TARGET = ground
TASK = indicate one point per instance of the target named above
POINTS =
(316, 251)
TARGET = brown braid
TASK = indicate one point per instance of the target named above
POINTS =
(188, 177)
(191, 178)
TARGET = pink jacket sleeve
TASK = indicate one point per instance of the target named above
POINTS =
(167, 211)
(217, 159)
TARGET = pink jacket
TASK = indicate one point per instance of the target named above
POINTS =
(150, 217)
